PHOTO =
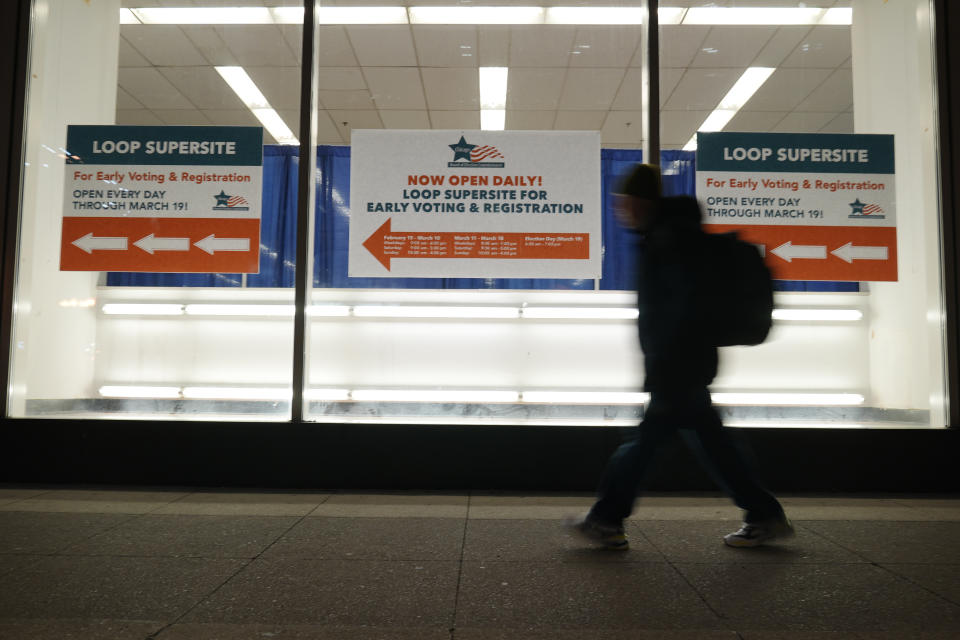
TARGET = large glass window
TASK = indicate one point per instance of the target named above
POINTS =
(128, 297)
(421, 309)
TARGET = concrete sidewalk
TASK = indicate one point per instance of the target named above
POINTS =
(182, 564)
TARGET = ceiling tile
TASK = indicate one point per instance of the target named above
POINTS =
(534, 88)
(348, 100)
(446, 45)
(334, 48)
(232, 117)
(460, 120)
(623, 127)
(404, 119)
(327, 131)
(383, 45)
(182, 116)
(786, 88)
(203, 87)
(260, 45)
(834, 95)
(843, 123)
(678, 45)
(677, 127)
(758, 121)
(493, 42)
(579, 120)
(783, 42)
(451, 88)
(163, 45)
(669, 79)
(130, 57)
(208, 41)
(291, 119)
(604, 46)
(279, 85)
(151, 89)
(530, 120)
(591, 88)
(346, 121)
(137, 117)
(702, 89)
(534, 46)
(395, 87)
(803, 122)
(340, 79)
(827, 46)
(630, 93)
(732, 46)
(127, 101)
(293, 34)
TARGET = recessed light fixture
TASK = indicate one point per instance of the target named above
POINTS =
(247, 91)
(741, 92)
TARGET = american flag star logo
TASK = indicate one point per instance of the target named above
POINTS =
(236, 201)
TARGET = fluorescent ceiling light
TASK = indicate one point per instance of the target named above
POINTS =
(493, 119)
(398, 311)
(806, 399)
(127, 17)
(204, 15)
(753, 16)
(138, 391)
(814, 315)
(581, 313)
(142, 309)
(586, 397)
(237, 393)
(839, 16)
(361, 15)
(595, 15)
(434, 395)
(493, 87)
(671, 15)
(476, 15)
(739, 94)
(253, 98)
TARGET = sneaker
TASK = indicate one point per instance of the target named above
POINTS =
(609, 536)
(754, 534)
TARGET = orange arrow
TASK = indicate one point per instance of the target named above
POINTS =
(385, 245)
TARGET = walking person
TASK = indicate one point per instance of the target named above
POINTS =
(680, 363)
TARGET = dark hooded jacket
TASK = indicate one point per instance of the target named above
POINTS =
(671, 301)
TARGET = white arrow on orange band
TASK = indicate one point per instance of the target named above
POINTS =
(91, 243)
(212, 244)
(788, 251)
(152, 243)
(850, 252)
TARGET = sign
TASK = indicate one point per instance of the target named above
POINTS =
(821, 206)
(162, 199)
(488, 204)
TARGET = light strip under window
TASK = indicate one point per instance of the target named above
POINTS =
(741, 92)
(252, 97)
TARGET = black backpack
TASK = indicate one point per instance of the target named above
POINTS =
(738, 291)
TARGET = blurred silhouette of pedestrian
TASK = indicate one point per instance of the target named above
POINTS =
(680, 363)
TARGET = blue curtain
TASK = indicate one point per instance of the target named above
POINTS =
(278, 232)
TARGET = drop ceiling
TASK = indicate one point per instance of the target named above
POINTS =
(426, 76)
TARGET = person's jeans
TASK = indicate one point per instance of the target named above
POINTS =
(689, 411)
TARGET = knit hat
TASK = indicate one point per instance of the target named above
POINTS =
(642, 182)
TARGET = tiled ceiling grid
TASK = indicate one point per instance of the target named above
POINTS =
(425, 76)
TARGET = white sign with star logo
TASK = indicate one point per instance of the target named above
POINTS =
(162, 199)
(484, 204)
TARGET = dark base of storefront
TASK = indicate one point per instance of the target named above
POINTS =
(387, 457)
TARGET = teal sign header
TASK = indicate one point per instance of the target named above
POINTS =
(174, 145)
(795, 152)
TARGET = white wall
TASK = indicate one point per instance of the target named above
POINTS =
(73, 80)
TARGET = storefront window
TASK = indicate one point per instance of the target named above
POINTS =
(466, 265)
(154, 248)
